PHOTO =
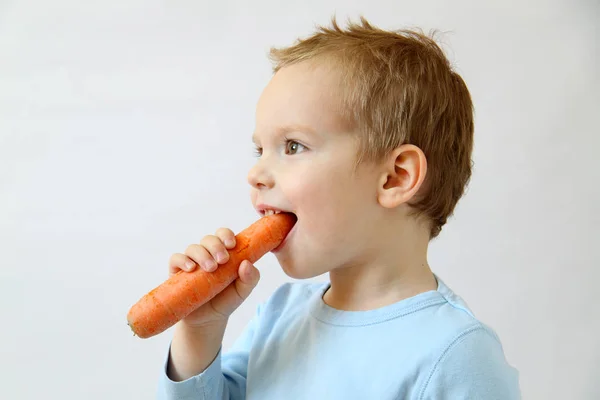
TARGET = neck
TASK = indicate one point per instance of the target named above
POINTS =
(391, 271)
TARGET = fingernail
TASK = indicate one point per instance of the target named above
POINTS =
(221, 256)
(189, 264)
(210, 265)
(229, 243)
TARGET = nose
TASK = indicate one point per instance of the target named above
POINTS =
(259, 177)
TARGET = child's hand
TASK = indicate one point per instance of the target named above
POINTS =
(207, 255)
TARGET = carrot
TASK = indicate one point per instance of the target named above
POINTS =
(184, 292)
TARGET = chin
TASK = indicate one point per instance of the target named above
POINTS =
(296, 270)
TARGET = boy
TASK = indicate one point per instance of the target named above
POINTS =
(366, 136)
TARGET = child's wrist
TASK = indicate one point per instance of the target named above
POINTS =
(194, 348)
(204, 327)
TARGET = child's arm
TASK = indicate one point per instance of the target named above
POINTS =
(472, 367)
(197, 338)
(193, 349)
(224, 378)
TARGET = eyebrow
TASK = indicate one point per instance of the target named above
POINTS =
(290, 128)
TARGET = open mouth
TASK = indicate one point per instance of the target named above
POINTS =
(268, 212)
(288, 237)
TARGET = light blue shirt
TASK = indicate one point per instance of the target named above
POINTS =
(429, 346)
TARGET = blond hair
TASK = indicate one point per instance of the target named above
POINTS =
(398, 88)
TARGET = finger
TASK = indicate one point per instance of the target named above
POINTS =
(216, 248)
(201, 256)
(249, 276)
(234, 295)
(227, 237)
(179, 262)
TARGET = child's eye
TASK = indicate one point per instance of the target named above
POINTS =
(292, 147)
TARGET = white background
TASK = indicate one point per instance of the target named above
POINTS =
(125, 136)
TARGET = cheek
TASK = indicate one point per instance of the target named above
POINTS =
(325, 204)
(311, 195)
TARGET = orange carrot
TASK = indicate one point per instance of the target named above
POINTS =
(184, 292)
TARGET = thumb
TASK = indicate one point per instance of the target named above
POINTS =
(234, 295)
(248, 279)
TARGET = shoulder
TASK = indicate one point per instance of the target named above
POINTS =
(469, 360)
(472, 366)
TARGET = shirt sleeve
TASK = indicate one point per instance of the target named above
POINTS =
(225, 377)
(473, 367)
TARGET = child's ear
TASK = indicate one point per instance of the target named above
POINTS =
(403, 174)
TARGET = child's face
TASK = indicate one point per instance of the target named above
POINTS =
(308, 156)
